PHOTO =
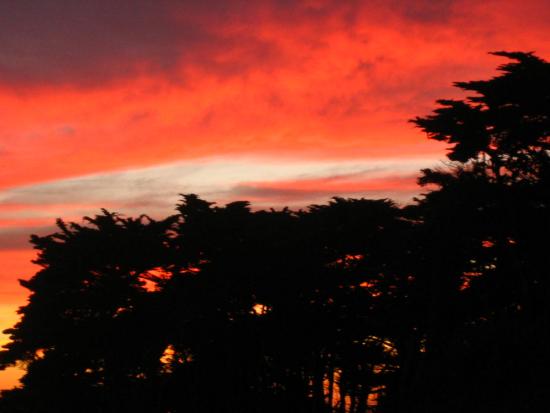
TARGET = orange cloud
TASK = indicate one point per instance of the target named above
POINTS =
(321, 79)
(24, 222)
(303, 191)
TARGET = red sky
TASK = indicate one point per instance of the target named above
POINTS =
(126, 104)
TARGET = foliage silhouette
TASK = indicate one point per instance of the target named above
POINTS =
(354, 306)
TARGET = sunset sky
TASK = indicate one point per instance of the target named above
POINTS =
(124, 104)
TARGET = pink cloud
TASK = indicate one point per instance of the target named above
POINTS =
(321, 79)
(300, 192)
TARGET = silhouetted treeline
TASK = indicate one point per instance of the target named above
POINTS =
(350, 307)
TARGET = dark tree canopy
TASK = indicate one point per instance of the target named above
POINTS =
(503, 130)
(353, 306)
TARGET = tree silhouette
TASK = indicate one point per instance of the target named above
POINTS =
(353, 306)
(501, 132)
(84, 334)
(485, 272)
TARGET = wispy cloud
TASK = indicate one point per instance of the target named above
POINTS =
(103, 86)
(155, 190)
(301, 192)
